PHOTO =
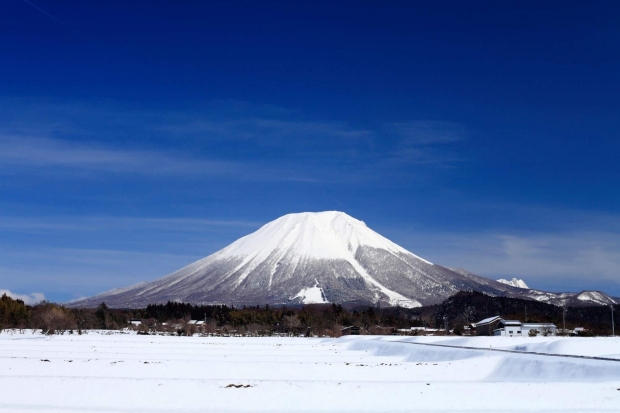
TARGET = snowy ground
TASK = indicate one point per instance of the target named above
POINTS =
(129, 373)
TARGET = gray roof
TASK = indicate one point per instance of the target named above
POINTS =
(511, 322)
(487, 320)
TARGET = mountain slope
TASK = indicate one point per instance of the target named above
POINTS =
(307, 258)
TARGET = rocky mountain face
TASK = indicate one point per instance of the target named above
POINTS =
(324, 257)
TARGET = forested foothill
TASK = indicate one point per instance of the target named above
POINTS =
(456, 312)
(467, 307)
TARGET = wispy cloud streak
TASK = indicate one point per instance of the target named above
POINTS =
(248, 143)
(99, 223)
(16, 151)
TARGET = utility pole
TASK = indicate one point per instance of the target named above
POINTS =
(564, 319)
(613, 330)
(526, 313)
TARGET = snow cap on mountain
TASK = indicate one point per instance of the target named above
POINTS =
(322, 235)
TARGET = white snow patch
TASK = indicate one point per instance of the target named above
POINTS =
(595, 297)
(312, 295)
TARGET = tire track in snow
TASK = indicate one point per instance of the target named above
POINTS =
(575, 356)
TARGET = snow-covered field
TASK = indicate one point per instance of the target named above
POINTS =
(129, 373)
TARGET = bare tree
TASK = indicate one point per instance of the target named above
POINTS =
(545, 331)
(52, 318)
(291, 323)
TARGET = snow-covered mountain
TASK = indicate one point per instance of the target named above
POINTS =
(515, 282)
(323, 257)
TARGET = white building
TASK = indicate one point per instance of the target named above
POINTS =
(497, 326)
(515, 328)
(509, 328)
(543, 329)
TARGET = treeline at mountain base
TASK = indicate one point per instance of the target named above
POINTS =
(457, 312)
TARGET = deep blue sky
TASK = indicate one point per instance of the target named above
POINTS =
(138, 136)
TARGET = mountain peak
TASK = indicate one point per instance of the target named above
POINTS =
(515, 282)
(320, 235)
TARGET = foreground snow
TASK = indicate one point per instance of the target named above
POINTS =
(129, 373)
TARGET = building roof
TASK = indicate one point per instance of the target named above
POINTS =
(511, 322)
(487, 320)
(539, 325)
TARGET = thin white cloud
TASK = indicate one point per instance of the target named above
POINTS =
(425, 132)
(231, 140)
(99, 223)
(18, 154)
(22, 151)
(30, 299)
(266, 131)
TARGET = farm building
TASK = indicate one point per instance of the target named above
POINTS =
(497, 326)
(487, 326)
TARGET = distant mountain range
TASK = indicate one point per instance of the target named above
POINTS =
(324, 257)
(515, 282)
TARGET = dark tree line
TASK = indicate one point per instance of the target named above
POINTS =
(309, 319)
(53, 318)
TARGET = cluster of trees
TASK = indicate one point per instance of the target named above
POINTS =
(44, 316)
(53, 318)
(319, 319)
(315, 319)
(13, 313)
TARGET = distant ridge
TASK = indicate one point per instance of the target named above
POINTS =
(515, 282)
